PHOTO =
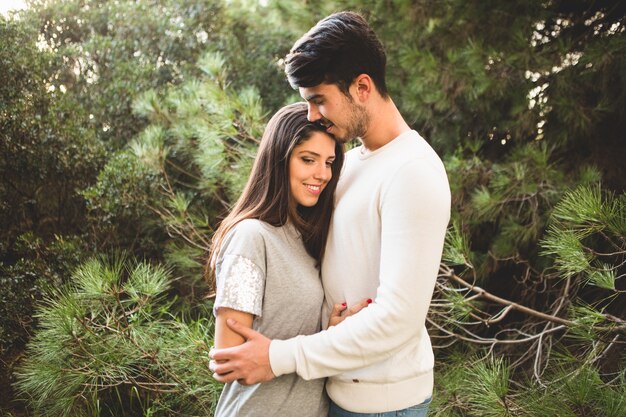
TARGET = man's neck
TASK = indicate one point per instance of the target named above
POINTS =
(385, 124)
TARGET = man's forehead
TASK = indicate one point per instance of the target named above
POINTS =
(309, 93)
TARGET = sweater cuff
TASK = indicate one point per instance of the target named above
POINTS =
(282, 356)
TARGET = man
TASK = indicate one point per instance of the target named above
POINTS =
(385, 243)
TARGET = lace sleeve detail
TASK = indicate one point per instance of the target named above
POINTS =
(240, 285)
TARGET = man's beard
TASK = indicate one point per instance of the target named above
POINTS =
(359, 120)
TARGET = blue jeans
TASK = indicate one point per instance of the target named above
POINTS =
(419, 410)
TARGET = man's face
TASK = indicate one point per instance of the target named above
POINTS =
(342, 116)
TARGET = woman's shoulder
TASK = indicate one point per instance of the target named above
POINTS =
(247, 239)
(258, 227)
(254, 232)
(250, 226)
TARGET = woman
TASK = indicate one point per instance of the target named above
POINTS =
(266, 256)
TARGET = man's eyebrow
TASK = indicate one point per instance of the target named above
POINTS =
(312, 97)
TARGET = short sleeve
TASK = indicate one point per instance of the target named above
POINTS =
(240, 270)
(240, 285)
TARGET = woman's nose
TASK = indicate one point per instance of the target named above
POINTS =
(323, 172)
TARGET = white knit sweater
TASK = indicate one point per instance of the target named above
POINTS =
(385, 243)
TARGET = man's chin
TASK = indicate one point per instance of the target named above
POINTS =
(346, 138)
(341, 137)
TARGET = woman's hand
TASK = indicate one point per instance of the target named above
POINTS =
(341, 311)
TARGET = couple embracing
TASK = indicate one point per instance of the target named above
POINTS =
(326, 265)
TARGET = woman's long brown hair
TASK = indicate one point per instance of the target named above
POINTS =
(267, 194)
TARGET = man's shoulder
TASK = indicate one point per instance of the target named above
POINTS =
(414, 144)
(411, 148)
(414, 158)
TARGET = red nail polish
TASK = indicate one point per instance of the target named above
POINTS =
(369, 301)
(344, 304)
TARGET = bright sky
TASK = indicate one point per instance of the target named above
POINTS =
(6, 5)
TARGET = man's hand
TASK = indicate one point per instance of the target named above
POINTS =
(248, 363)
(341, 311)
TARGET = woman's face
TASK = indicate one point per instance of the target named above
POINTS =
(310, 168)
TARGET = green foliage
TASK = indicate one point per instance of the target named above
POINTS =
(513, 71)
(40, 267)
(575, 392)
(122, 48)
(200, 145)
(587, 236)
(488, 390)
(114, 51)
(108, 345)
(163, 194)
(255, 39)
(524, 101)
(469, 386)
(28, 271)
(456, 250)
(119, 207)
(471, 71)
(586, 319)
(532, 235)
(503, 206)
(474, 387)
(45, 154)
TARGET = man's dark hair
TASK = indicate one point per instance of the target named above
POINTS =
(335, 51)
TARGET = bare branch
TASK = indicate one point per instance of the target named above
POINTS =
(449, 273)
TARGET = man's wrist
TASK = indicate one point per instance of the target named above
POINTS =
(282, 356)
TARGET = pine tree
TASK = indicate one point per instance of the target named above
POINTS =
(107, 345)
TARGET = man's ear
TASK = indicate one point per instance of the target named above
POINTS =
(363, 87)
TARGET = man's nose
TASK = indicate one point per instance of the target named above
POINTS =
(313, 113)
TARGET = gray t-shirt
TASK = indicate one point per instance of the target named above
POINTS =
(266, 271)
